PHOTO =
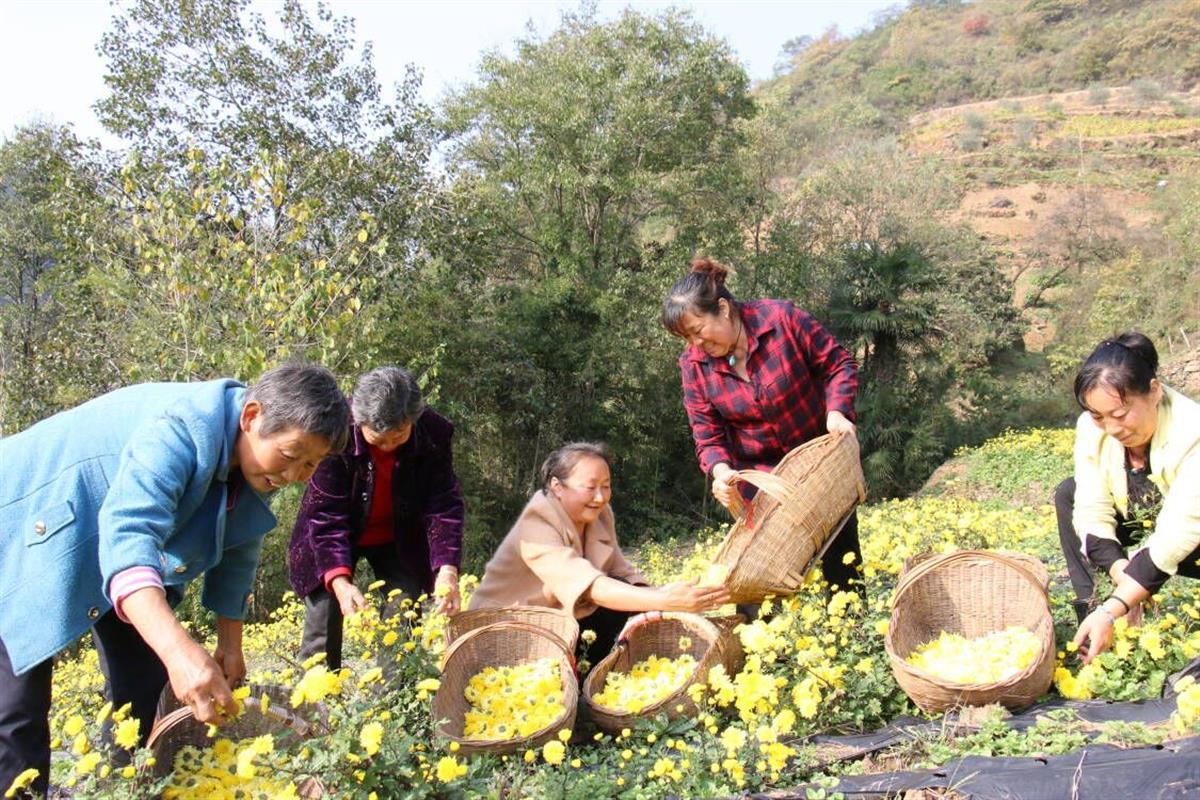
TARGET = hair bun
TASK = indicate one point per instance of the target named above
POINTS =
(1142, 346)
(713, 270)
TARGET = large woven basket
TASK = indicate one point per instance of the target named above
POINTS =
(733, 655)
(659, 634)
(505, 643)
(561, 624)
(971, 593)
(800, 504)
(176, 728)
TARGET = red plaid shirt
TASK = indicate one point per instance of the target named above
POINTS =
(798, 372)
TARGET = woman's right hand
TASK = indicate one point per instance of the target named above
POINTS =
(350, 599)
(1095, 634)
(687, 596)
(724, 486)
(198, 680)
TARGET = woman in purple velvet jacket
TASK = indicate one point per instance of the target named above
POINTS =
(392, 498)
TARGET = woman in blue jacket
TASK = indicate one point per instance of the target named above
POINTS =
(107, 512)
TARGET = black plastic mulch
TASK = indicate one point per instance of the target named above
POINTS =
(1097, 772)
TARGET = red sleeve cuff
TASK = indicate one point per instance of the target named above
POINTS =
(336, 572)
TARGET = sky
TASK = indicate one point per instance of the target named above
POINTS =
(52, 72)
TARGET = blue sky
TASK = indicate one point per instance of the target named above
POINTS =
(52, 72)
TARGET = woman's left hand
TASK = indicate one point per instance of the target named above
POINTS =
(1094, 635)
(445, 591)
(836, 422)
(233, 663)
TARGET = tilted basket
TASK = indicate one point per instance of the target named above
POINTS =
(800, 504)
(660, 634)
(971, 593)
(505, 643)
(176, 728)
(558, 622)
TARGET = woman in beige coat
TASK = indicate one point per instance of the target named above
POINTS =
(563, 553)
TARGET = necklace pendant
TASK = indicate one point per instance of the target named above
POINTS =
(732, 359)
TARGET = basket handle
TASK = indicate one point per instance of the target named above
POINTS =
(647, 617)
(513, 625)
(926, 566)
(768, 483)
(300, 726)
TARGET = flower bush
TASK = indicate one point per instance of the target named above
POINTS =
(814, 662)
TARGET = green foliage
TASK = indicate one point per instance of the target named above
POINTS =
(45, 178)
(1054, 733)
(1020, 464)
(584, 170)
(921, 305)
(921, 58)
(1146, 91)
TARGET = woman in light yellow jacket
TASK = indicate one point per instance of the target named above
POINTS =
(1137, 472)
(563, 553)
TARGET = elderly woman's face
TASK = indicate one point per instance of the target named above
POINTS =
(1130, 421)
(715, 334)
(586, 491)
(270, 461)
(388, 440)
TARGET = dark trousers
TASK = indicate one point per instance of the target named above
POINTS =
(838, 574)
(1079, 566)
(323, 616)
(606, 623)
(133, 674)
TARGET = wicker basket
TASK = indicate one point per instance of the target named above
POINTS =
(561, 624)
(733, 655)
(508, 642)
(176, 728)
(971, 593)
(806, 498)
(659, 634)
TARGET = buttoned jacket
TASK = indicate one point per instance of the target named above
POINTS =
(136, 477)
(544, 561)
(427, 507)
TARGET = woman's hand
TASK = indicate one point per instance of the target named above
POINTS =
(836, 422)
(687, 596)
(350, 599)
(724, 486)
(195, 676)
(445, 591)
(1095, 634)
(232, 663)
(229, 654)
(198, 680)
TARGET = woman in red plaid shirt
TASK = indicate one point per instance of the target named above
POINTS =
(760, 377)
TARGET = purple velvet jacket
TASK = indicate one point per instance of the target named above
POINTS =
(427, 506)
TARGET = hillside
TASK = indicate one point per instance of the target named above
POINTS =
(1070, 130)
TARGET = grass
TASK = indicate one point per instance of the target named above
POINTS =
(1091, 126)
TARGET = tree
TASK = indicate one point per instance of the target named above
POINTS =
(42, 174)
(583, 170)
(575, 146)
(212, 76)
(920, 303)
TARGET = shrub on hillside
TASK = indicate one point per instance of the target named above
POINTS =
(1097, 95)
(1146, 91)
(976, 25)
(1023, 130)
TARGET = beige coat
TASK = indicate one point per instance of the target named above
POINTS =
(543, 561)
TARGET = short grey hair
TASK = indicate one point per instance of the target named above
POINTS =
(386, 398)
(562, 462)
(305, 397)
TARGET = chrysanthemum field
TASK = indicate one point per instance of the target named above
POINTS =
(816, 664)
